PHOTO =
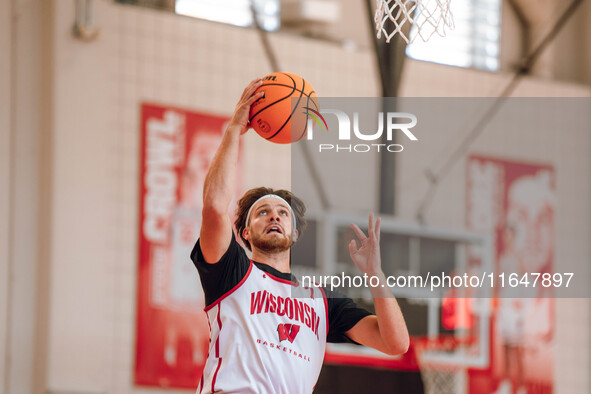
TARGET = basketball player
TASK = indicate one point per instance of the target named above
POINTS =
(268, 333)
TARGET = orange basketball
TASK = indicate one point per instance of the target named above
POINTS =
(280, 116)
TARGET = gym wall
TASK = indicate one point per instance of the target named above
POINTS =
(69, 165)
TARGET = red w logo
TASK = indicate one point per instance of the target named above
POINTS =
(288, 331)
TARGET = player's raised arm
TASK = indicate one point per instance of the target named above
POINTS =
(387, 331)
(219, 186)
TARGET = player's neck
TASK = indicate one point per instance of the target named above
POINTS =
(279, 261)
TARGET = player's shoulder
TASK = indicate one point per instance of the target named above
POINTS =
(333, 293)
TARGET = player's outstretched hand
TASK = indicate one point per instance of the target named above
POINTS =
(367, 257)
(242, 111)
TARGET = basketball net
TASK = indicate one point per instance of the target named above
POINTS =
(443, 379)
(440, 377)
(428, 17)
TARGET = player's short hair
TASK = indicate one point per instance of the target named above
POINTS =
(250, 197)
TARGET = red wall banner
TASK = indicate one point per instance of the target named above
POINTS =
(172, 330)
(515, 202)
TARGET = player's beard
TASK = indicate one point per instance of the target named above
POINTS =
(271, 244)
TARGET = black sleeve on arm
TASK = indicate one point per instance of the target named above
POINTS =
(217, 279)
(343, 314)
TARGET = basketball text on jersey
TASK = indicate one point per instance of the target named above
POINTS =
(278, 347)
(265, 302)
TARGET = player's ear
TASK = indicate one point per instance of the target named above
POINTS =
(246, 234)
(294, 236)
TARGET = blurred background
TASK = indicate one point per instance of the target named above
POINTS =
(111, 110)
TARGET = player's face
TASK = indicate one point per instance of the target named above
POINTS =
(270, 227)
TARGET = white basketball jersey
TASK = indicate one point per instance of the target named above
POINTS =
(267, 335)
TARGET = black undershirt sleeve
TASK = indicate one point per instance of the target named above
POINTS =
(343, 314)
(217, 279)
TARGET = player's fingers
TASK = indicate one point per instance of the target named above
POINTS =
(254, 98)
(377, 228)
(245, 91)
(244, 106)
(370, 229)
(353, 247)
(358, 232)
(250, 88)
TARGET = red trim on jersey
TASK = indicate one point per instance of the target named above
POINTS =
(215, 375)
(233, 289)
(217, 340)
(217, 345)
(201, 383)
(281, 280)
(325, 307)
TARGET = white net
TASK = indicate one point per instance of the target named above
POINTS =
(442, 371)
(428, 16)
(442, 379)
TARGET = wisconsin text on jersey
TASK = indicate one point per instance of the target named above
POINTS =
(265, 302)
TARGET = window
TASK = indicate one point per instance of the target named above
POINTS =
(234, 12)
(473, 43)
